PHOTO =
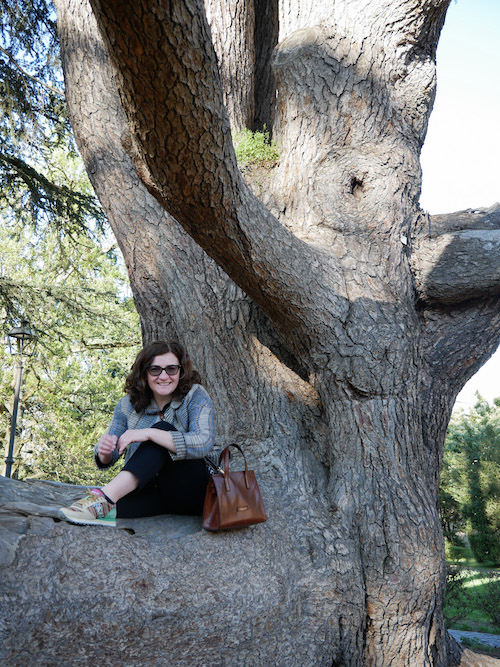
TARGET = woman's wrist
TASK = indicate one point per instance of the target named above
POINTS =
(104, 458)
(162, 438)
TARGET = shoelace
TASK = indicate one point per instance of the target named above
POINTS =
(89, 500)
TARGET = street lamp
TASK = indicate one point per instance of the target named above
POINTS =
(23, 336)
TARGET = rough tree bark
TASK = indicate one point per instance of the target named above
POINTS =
(337, 352)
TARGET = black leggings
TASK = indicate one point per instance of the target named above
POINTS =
(165, 486)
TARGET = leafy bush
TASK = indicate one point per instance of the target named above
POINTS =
(485, 546)
(488, 595)
(456, 600)
(255, 147)
(458, 553)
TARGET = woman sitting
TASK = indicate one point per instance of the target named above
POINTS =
(166, 424)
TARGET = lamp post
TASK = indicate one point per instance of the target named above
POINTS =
(23, 335)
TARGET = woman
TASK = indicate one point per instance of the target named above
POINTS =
(166, 423)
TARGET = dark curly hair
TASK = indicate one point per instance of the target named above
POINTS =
(136, 384)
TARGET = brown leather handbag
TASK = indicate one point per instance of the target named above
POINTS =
(232, 499)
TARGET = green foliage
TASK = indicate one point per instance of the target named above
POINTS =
(32, 100)
(470, 480)
(460, 553)
(66, 410)
(37, 197)
(76, 297)
(471, 599)
(59, 266)
(34, 125)
(488, 594)
(457, 604)
(451, 516)
(255, 148)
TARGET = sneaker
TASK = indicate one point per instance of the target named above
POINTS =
(93, 510)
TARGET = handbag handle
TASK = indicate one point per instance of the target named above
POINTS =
(225, 455)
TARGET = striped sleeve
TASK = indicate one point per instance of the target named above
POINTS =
(117, 427)
(197, 437)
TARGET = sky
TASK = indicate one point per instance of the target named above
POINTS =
(461, 154)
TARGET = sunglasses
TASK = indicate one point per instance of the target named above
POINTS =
(155, 371)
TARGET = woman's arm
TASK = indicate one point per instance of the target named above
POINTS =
(162, 438)
(106, 445)
(105, 452)
(197, 416)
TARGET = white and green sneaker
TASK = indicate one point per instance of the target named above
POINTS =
(93, 510)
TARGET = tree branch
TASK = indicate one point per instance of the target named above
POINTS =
(458, 267)
(145, 230)
(460, 261)
(181, 133)
(232, 28)
(471, 218)
(458, 280)
(30, 76)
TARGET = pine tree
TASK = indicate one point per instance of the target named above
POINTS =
(472, 457)
(60, 268)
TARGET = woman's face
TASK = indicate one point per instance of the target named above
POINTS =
(164, 385)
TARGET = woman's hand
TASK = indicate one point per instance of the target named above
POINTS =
(105, 447)
(132, 435)
(162, 438)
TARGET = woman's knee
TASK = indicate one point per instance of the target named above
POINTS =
(147, 461)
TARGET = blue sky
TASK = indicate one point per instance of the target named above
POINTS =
(461, 155)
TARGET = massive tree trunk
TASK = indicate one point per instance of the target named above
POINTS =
(337, 331)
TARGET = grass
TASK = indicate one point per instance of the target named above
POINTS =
(462, 556)
(472, 600)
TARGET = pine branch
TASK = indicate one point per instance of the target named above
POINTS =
(30, 76)
(47, 196)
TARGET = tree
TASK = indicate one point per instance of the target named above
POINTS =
(472, 457)
(34, 188)
(75, 294)
(59, 268)
(342, 321)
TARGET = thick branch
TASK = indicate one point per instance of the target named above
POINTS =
(471, 218)
(232, 28)
(148, 235)
(459, 259)
(173, 101)
(457, 275)
(458, 267)
(145, 231)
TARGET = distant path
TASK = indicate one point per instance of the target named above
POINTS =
(489, 640)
